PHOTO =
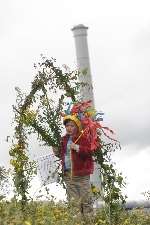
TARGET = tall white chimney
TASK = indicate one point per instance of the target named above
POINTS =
(83, 62)
(86, 93)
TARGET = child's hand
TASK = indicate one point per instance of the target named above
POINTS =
(74, 147)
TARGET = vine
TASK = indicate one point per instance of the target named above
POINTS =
(39, 112)
(112, 181)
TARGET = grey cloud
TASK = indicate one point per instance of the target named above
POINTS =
(130, 118)
(135, 135)
(123, 90)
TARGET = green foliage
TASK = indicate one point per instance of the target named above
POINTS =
(112, 180)
(39, 112)
(51, 213)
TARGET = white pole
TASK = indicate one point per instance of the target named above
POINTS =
(83, 62)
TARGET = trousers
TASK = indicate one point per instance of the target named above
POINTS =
(78, 190)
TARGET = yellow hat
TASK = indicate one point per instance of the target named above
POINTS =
(74, 119)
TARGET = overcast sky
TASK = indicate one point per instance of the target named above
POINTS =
(119, 47)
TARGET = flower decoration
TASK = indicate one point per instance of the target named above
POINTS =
(87, 120)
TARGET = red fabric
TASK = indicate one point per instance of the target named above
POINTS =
(90, 133)
(82, 161)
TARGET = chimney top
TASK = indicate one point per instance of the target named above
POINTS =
(79, 26)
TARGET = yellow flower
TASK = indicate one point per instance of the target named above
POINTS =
(95, 190)
(126, 222)
(101, 221)
(27, 223)
(13, 162)
(29, 116)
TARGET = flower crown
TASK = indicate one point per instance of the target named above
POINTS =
(79, 111)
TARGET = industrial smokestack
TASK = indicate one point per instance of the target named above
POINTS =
(86, 93)
(83, 62)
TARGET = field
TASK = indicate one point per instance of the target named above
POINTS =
(51, 213)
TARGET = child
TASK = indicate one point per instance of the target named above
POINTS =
(78, 167)
(77, 162)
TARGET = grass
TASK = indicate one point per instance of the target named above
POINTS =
(51, 213)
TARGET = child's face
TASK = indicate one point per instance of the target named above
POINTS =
(71, 128)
